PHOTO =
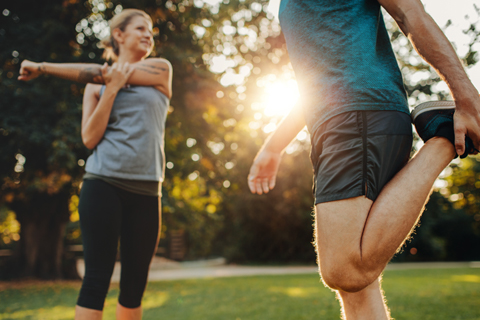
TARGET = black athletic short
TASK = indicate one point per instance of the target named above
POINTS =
(356, 153)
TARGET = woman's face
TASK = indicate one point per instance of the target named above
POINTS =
(138, 36)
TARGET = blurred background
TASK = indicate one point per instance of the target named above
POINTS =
(232, 85)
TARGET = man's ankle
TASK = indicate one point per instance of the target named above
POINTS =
(443, 144)
(446, 132)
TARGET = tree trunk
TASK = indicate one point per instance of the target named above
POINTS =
(40, 252)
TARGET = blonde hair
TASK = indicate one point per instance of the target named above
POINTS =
(119, 21)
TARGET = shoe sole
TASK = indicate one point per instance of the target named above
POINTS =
(432, 105)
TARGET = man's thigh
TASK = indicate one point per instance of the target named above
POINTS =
(339, 227)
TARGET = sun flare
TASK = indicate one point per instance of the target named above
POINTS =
(280, 97)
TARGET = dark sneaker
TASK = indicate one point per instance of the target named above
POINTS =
(435, 118)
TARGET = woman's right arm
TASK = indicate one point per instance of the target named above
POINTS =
(78, 72)
(156, 72)
(96, 110)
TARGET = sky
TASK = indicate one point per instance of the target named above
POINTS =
(441, 11)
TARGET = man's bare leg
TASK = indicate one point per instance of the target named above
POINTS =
(356, 238)
(366, 304)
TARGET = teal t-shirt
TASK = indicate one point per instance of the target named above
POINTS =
(342, 57)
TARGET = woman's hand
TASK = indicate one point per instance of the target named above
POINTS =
(116, 76)
(29, 70)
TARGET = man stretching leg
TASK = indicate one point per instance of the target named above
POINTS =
(368, 196)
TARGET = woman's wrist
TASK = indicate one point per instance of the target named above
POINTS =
(111, 89)
(41, 68)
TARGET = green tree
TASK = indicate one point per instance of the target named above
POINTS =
(39, 132)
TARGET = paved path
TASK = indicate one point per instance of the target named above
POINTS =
(163, 269)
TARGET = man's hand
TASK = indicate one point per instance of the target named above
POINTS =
(432, 45)
(29, 70)
(467, 123)
(263, 172)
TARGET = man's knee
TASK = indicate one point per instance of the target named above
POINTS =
(346, 277)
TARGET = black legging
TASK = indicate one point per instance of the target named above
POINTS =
(107, 214)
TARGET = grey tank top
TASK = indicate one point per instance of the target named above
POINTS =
(133, 144)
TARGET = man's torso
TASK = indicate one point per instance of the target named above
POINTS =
(342, 57)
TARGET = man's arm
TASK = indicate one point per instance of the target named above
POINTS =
(432, 45)
(263, 171)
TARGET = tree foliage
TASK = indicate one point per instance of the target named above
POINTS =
(40, 132)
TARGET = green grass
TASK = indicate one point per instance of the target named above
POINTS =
(412, 294)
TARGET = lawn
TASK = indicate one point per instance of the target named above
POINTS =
(412, 294)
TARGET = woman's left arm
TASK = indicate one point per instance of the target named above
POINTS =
(155, 72)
